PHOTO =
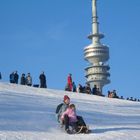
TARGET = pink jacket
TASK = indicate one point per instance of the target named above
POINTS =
(71, 114)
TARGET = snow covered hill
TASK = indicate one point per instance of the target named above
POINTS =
(28, 113)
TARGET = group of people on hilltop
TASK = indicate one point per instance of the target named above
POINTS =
(87, 89)
(71, 86)
(112, 94)
(27, 80)
(133, 99)
(67, 117)
(84, 89)
(14, 77)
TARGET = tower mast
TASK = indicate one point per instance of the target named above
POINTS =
(97, 55)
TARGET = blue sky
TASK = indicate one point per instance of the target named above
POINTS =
(50, 35)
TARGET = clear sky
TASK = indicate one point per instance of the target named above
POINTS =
(50, 35)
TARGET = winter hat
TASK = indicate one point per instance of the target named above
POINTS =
(66, 97)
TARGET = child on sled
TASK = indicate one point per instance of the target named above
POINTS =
(70, 118)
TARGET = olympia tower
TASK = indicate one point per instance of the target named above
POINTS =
(97, 54)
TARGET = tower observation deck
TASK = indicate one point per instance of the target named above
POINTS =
(97, 55)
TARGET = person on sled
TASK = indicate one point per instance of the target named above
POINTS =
(70, 118)
(67, 117)
(62, 108)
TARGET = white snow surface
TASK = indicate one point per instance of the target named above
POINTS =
(28, 113)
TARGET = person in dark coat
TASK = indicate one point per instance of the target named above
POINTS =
(87, 88)
(74, 86)
(23, 79)
(11, 77)
(16, 77)
(80, 88)
(94, 90)
(0, 76)
(42, 78)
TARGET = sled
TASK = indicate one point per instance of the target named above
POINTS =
(80, 130)
(83, 129)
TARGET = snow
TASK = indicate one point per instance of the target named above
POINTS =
(28, 113)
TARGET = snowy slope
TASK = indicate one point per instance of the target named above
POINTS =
(27, 113)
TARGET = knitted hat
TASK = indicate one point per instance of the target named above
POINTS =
(66, 97)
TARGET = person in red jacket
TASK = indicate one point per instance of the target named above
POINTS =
(69, 81)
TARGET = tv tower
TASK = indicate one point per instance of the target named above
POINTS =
(97, 54)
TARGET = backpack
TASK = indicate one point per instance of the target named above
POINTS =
(58, 108)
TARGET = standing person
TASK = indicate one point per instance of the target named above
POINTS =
(23, 79)
(42, 78)
(0, 76)
(79, 88)
(28, 80)
(94, 90)
(74, 86)
(12, 77)
(16, 76)
(109, 93)
(87, 88)
(69, 81)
